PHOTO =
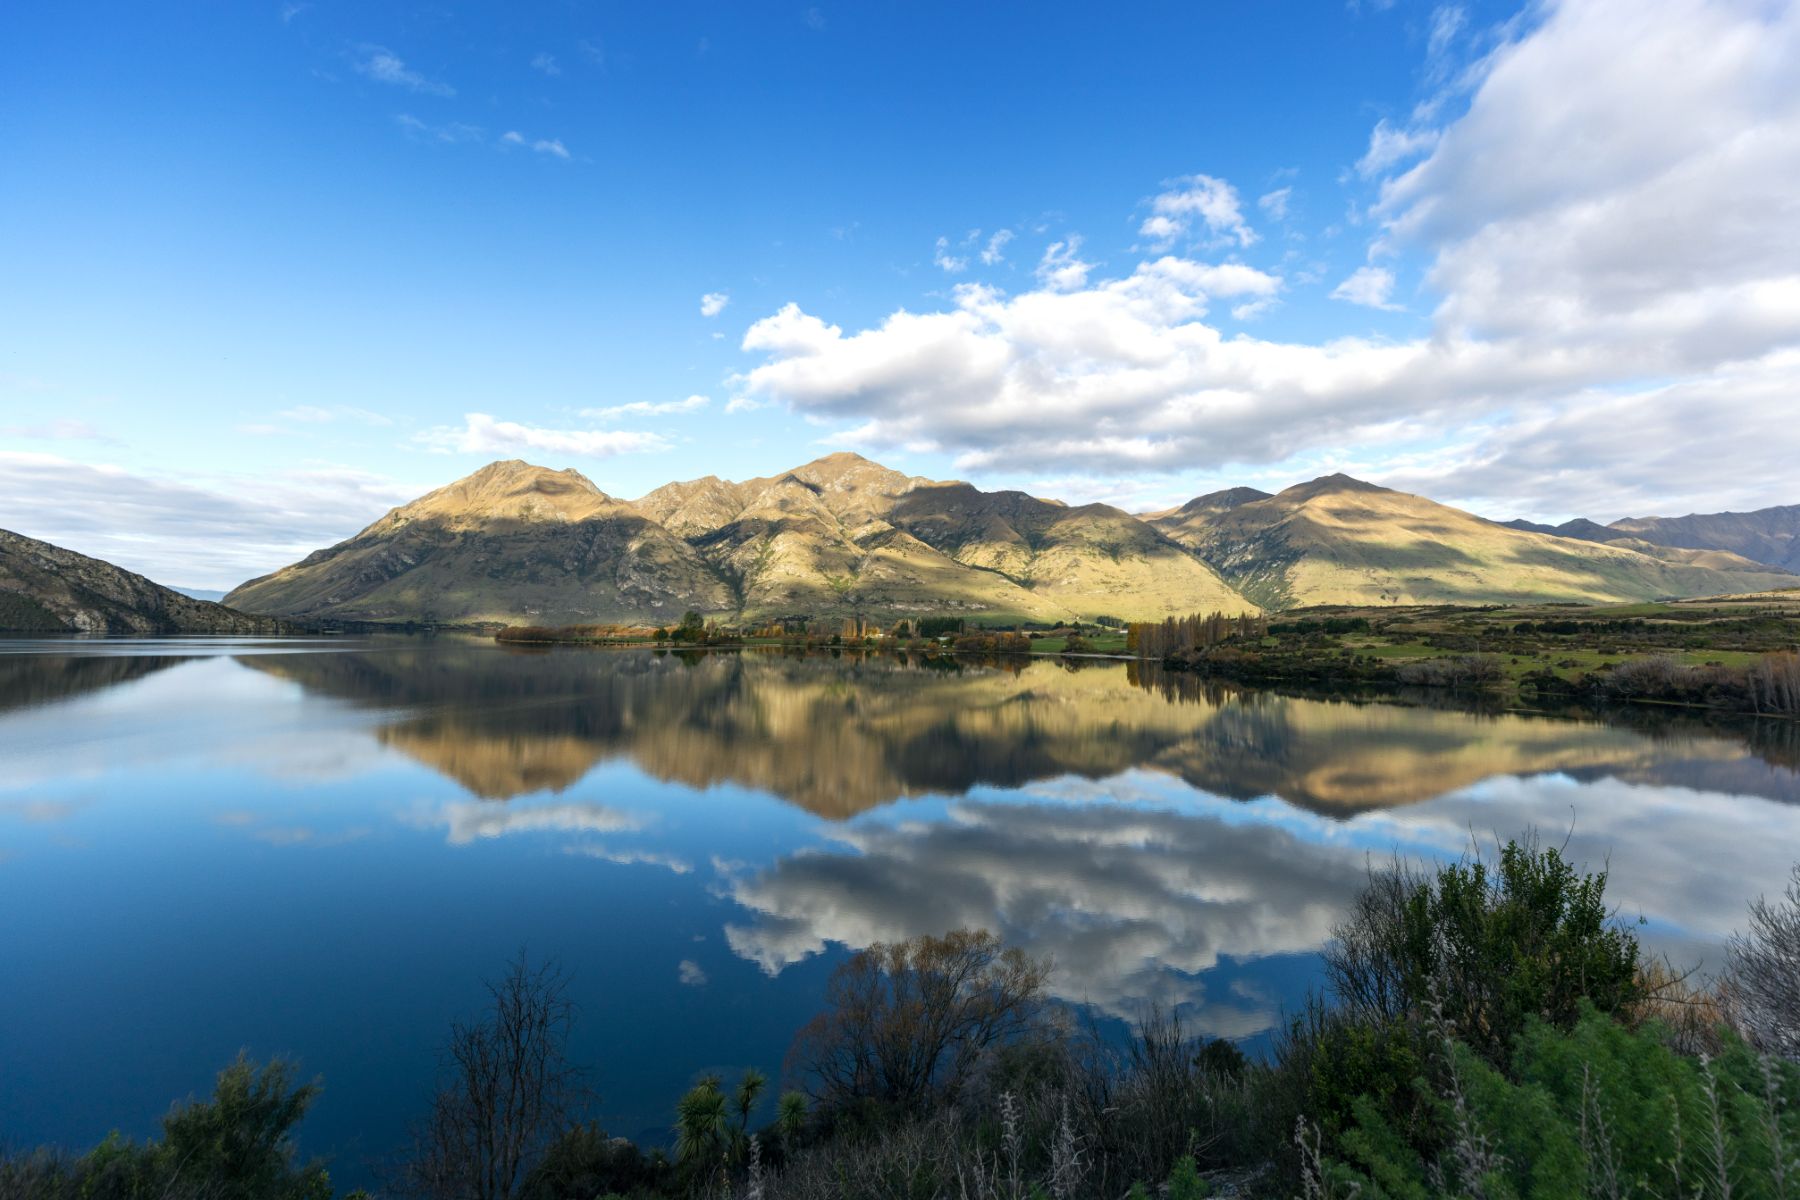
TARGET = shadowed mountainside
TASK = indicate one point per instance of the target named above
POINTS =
(1770, 536)
(47, 589)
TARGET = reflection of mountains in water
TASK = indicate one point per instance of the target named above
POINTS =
(29, 680)
(838, 736)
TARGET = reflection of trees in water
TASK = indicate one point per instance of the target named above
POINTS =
(28, 680)
(842, 733)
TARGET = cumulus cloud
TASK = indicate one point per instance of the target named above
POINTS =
(1370, 287)
(995, 250)
(1596, 226)
(384, 66)
(483, 434)
(713, 303)
(691, 973)
(1213, 203)
(213, 534)
(647, 408)
(546, 64)
(1275, 203)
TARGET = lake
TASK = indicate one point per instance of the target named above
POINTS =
(320, 847)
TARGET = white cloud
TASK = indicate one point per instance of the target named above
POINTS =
(950, 263)
(688, 971)
(1390, 146)
(1370, 287)
(995, 250)
(1612, 222)
(1275, 203)
(546, 63)
(551, 146)
(384, 66)
(483, 434)
(713, 303)
(214, 533)
(1213, 202)
(1061, 269)
(647, 408)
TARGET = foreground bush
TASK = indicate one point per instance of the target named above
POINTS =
(236, 1146)
(1594, 1111)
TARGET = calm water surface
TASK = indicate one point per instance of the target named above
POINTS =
(319, 848)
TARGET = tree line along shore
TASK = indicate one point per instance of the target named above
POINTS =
(1731, 654)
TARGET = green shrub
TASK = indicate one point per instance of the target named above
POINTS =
(237, 1144)
(1485, 947)
(1595, 1110)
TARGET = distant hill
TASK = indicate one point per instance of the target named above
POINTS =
(199, 593)
(511, 542)
(1580, 528)
(47, 589)
(1769, 536)
(1338, 540)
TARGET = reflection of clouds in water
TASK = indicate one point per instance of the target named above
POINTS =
(1688, 860)
(1133, 890)
(1116, 895)
(627, 858)
(40, 811)
(471, 819)
(691, 973)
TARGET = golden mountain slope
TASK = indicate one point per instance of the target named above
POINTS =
(1338, 540)
(1094, 560)
(843, 534)
(513, 543)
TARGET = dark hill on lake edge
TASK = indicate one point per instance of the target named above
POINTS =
(1770, 536)
(47, 589)
(842, 536)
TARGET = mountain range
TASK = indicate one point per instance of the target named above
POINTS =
(844, 536)
(1767, 535)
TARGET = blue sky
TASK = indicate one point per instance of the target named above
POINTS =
(271, 268)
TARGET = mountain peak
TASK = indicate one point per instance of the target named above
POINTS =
(509, 489)
(1330, 485)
